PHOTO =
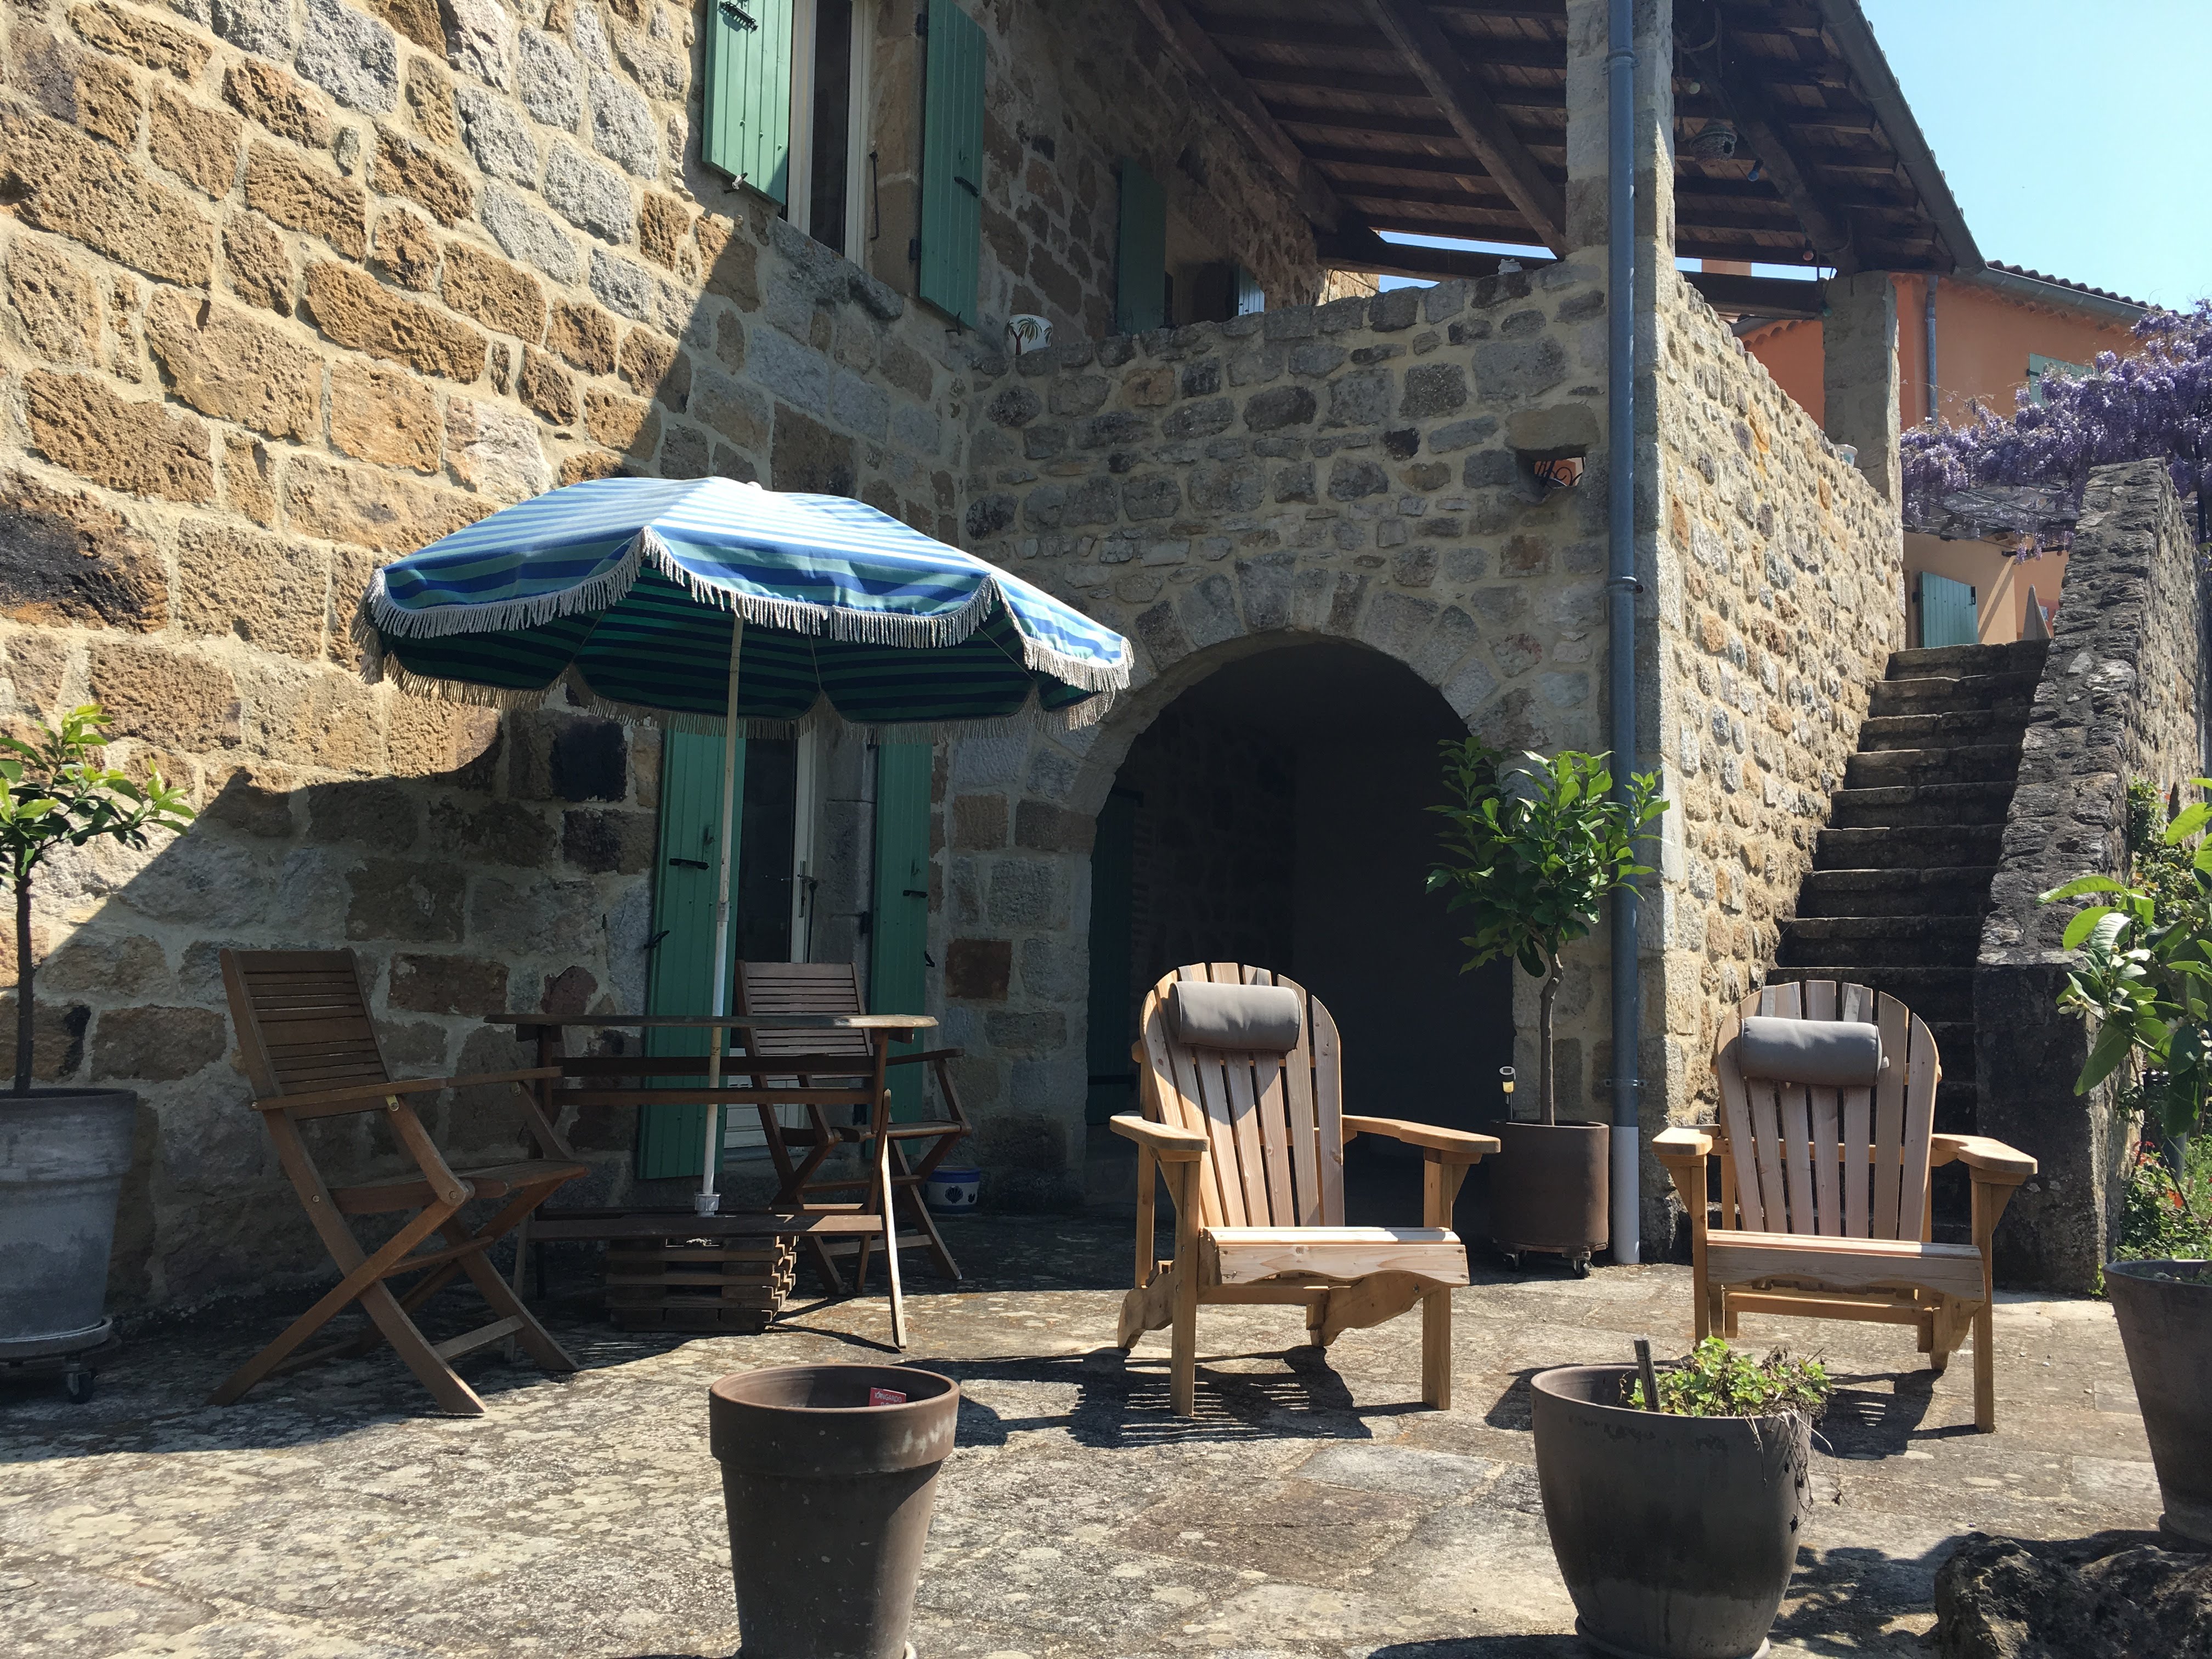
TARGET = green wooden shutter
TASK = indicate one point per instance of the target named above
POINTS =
(952, 163)
(1947, 612)
(682, 978)
(2040, 368)
(748, 92)
(898, 959)
(1141, 269)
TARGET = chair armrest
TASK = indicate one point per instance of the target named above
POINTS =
(1991, 1159)
(927, 1055)
(527, 1074)
(1684, 1141)
(1170, 1145)
(1457, 1145)
(360, 1097)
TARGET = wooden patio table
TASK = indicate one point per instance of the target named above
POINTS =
(743, 1085)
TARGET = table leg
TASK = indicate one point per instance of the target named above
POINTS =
(881, 1118)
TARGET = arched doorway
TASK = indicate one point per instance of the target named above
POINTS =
(1275, 813)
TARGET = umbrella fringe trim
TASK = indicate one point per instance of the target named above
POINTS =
(611, 586)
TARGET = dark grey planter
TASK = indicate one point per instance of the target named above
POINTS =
(2165, 1315)
(1550, 1189)
(64, 1153)
(1675, 1535)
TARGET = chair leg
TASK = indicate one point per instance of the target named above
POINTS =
(938, 1251)
(1436, 1349)
(1317, 1321)
(233, 1387)
(1182, 1376)
(429, 1367)
(503, 1301)
(1985, 1369)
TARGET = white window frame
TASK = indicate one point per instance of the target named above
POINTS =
(799, 204)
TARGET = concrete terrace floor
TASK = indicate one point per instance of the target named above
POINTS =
(1313, 1509)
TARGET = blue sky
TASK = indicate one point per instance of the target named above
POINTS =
(2074, 132)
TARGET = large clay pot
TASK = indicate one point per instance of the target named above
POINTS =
(1675, 1535)
(1549, 1188)
(64, 1153)
(2165, 1314)
(828, 1500)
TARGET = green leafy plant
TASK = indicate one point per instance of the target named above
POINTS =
(1716, 1381)
(2144, 973)
(1530, 853)
(2166, 1212)
(56, 790)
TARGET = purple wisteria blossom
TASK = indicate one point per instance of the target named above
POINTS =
(2157, 405)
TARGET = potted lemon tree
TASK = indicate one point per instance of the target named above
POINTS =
(2143, 977)
(1530, 853)
(63, 1153)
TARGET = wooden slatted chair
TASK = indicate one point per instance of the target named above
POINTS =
(310, 1052)
(1251, 1140)
(1824, 1202)
(767, 988)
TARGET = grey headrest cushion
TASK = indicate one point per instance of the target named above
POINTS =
(1828, 1054)
(1246, 1018)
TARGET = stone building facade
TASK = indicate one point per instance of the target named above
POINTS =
(294, 287)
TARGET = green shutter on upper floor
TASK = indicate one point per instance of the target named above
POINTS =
(952, 162)
(747, 102)
(898, 949)
(1141, 267)
(681, 978)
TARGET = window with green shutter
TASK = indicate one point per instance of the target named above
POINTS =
(952, 163)
(748, 93)
(899, 933)
(2040, 368)
(1140, 281)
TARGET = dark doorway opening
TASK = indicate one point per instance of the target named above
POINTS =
(1276, 814)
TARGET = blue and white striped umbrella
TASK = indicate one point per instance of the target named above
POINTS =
(631, 584)
(713, 602)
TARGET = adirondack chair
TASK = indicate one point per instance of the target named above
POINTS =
(1241, 1087)
(834, 987)
(310, 1052)
(1824, 1208)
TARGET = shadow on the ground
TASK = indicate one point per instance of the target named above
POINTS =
(1489, 1647)
(1122, 1404)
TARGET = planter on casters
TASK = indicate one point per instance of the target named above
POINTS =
(829, 1499)
(64, 1153)
(1675, 1534)
(2165, 1315)
(1549, 1188)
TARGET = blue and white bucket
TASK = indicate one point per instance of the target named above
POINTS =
(951, 1189)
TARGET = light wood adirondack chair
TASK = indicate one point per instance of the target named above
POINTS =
(766, 988)
(1252, 1146)
(1824, 1191)
(311, 1051)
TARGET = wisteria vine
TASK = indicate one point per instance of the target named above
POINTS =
(2155, 405)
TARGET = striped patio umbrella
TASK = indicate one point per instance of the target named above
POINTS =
(716, 604)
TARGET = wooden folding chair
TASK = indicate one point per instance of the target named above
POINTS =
(1251, 1142)
(1824, 1206)
(311, 1051)
(768, 988)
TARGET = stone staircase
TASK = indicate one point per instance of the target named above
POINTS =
(1900, 881)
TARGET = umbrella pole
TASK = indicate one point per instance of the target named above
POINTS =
(708, 1200)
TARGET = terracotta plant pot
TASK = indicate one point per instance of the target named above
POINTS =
(2165, 1314)
(1676, 1535)
(1549, 1188)
(828, 1500)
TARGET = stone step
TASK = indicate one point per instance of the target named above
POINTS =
(1956, 729)
(1882, 941)
(1937, 994)
(1909, 848)
(1973, 762)
(1936, 694)
(1947, 891)
(2022, 656)
(1921, 805)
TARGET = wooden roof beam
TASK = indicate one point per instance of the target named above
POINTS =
(1317, 198)
(1760, 127)
(1480, 124)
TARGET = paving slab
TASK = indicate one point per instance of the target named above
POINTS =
(1312, 1509)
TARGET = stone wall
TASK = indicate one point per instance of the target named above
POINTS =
(294, 288)
(1346, 472)
(1778, 598)
(1069, 90)
(2121, 698)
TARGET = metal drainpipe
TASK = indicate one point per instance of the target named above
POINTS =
(1621, 587)
(1928, 306)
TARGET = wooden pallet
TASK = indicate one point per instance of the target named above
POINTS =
(699, 1285)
